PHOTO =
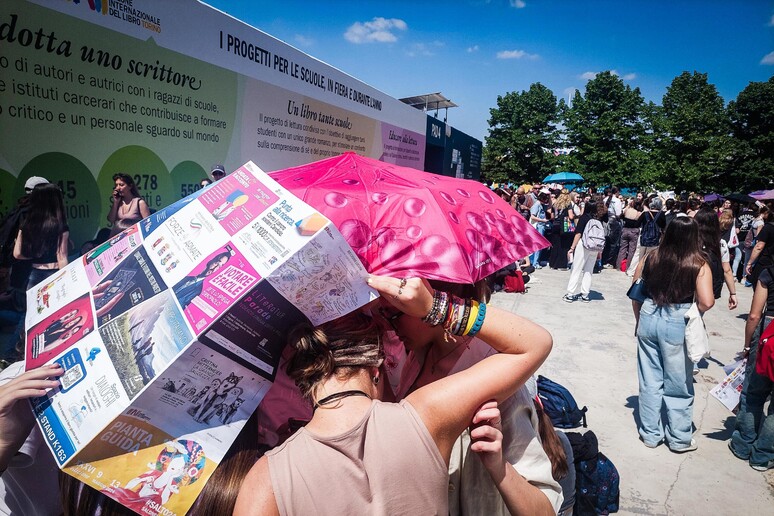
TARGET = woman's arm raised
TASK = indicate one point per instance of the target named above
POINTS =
(447, 406)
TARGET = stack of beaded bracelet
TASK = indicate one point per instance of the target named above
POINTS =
(439, 310)
(459, 316)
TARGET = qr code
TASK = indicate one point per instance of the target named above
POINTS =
(71, 376)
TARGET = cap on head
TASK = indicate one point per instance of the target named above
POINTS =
(33, 182)
(218, 170)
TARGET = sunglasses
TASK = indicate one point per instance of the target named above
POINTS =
(390, 318)
(218, 173)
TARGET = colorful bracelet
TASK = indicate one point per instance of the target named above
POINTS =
(464, 311)
(434, 308)
(479, 320)
(450, 313)
(473, 316)
(438, 312)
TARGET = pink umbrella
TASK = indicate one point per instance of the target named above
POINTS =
(403, 222)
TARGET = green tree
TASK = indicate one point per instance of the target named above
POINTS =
(522, 134)
(606, 128)
(693, 145)
(752, 125)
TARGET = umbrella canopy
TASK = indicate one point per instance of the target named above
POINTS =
(564, 177)
(740, 197)
(762, 195)
(712, 197)
(403, 222)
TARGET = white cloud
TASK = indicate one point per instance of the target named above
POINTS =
(570, 91)
(518, 4)
(771, 21)
(472, 49)
(515, 54)
(380, 30)
(629, 76)
(588, 75)
(420, 49)
(303, 41)
(768, 59)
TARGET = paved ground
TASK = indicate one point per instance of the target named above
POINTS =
(595, 355)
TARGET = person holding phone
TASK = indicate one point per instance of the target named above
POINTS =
(128, 207)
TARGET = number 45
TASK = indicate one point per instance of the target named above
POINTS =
(68, 188)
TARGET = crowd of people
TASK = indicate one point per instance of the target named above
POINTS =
(683, 251)
(472, 435)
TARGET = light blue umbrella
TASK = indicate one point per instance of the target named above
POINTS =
(564, 177)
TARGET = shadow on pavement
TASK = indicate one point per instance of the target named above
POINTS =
(633, 402)
(723, 434)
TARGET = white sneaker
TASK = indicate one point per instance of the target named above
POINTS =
(684, 449)
(569, 298)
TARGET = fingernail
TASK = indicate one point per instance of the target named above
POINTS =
(369, 281)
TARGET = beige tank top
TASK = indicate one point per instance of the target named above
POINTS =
(388, 464)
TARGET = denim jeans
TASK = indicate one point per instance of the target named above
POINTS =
(38, 275)
(753, 435)
(534, 257)
(665, 376)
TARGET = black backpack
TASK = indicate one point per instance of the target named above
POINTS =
(597, 482)
(651, 233)
(559, 404)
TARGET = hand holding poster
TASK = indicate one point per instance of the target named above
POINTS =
(170, 335)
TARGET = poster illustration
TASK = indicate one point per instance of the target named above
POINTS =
(129, 284)
(256, 328)
(103, 258)
(144, 340)
(179, 464)
(214, 285)
(237, 199)
(59, 331)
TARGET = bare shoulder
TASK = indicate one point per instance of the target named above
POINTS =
(256, 495)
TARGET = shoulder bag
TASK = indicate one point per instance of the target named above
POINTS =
(696, 339)
(637, 291)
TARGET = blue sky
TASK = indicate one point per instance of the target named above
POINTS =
(474, 50)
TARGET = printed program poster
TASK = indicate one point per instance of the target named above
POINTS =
(145, 410)
(729, 390)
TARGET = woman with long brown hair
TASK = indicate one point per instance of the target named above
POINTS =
(675, 274)
(128, 207)
(44, 236)
(358, 455)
